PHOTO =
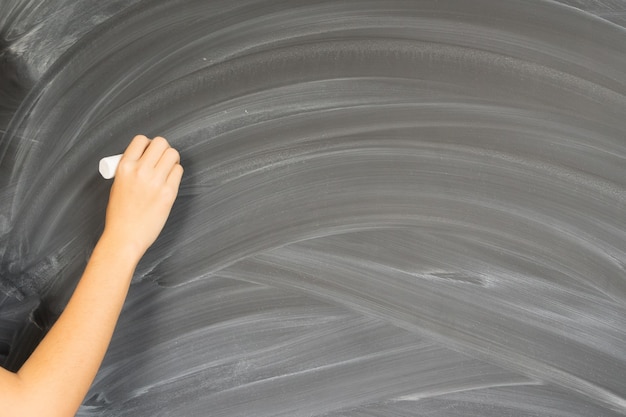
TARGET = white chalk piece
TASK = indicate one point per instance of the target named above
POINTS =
(108, 166)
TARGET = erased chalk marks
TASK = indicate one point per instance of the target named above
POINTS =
(388, 206)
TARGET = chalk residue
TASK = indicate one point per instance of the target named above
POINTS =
(389, 207)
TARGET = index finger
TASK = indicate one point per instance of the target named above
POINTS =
(137, 146)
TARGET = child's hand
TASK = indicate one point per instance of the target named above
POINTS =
(143, 192)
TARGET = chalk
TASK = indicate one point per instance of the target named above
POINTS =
(108, 166)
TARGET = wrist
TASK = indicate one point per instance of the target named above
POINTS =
(120, 247)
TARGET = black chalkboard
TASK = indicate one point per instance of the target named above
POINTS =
(390, 208)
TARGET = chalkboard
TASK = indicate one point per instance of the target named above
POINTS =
(389, 208)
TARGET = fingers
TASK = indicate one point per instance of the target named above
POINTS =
(175, 176)
(154, 152)
(136, 148)
(168, 160)
(157, 155)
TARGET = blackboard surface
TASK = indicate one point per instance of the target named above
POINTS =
(390, 208)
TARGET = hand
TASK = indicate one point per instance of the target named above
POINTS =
(143, 192)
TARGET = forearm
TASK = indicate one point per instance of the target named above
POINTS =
(58, 374)
(55, 379)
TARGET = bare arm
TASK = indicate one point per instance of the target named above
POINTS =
(57, 376)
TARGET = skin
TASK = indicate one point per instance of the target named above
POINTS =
(57, 376)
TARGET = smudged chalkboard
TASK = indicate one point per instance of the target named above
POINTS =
(389, 207)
